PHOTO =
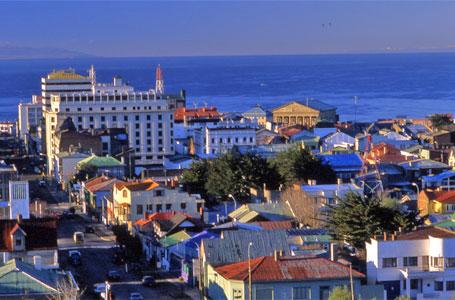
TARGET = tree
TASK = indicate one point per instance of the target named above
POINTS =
(340, 293)
(85, 172)
(356, 219)
(196, 177)
(297, 163)
(440, 120)
(66, 290)
(402, 298)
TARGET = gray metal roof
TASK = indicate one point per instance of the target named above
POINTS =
(233, 247)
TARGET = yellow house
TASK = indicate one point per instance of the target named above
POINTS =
(307, 113)
(436, 202)
(131, 200)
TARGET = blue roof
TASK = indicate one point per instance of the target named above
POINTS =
(316, 104)
(439, 177)
(424, 164)
(342, 160)
(196, 239)
(330, 187)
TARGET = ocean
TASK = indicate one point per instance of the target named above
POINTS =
(386, 85)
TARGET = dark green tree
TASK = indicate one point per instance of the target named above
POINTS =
(440, 120)
(195, 178)
(85, 172)
(298, 164)
(356, 219)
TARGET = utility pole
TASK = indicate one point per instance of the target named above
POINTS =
(352, 283)
(356, 99)
(250, 295)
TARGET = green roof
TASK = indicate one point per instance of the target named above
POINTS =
(100, 161)
(449, 224)
(18, 278)
(175, 238)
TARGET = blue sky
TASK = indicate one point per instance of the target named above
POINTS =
(226, 28)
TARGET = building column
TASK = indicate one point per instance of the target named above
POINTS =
(408, 287)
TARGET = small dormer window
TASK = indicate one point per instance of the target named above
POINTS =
(18, 241)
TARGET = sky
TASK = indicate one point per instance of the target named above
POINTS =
(172, 28)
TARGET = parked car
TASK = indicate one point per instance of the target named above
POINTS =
(148, 281)
(78, 237)
(136, 296)
(99, 288)
(89, 229)
(113, 275)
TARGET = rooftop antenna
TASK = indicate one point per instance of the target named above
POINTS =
(92, 74)
(159, 84)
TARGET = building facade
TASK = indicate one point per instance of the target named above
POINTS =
(147, 116)
(307, 113)
(419, 264)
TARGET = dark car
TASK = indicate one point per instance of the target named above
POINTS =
(89, 229)
(76, 260)
(148, 281)
(118, 259)
(113, 275)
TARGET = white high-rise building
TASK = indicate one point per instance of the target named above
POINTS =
(148, 118)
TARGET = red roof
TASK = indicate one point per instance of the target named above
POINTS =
(266, 268)
(425, 232)
(193, 113)
(442, 196)
(40, 233)
(101, 183)
(167, 215)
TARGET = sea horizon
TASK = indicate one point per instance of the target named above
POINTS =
(420, 82)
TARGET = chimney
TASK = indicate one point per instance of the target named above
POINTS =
(276, 255)
(339, 181)
(333, 252)
(393, 236)
(385, 236)
(37, 262)
(19, 218)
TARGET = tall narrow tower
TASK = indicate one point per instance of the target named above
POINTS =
(159, 85)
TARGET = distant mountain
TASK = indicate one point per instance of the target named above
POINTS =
(17, 52)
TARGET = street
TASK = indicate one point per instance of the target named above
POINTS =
(97, 253)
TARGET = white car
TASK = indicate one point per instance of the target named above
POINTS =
(99, 288)
(136, 296)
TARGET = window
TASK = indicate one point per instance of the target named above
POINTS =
(168, 206)
(438, 262)
(264, 294)
(149, 141)
(160, 141)
(148, 117)
(79, 109)
(148, 125)
(160, 117)
(102, 108)
(237, 294)
(137, 125)
(229, 140)
(244, 139)
(103, 118)
(213, 141)
(160, 133)
(414, 284)
(139, 209)
(137, 133)
(125, 118)
(18, 241)
(183, 205)
(114, 108)
(91, 118)
(301, 293)
(79, 119)
(158, 207)
(389, 262)
(251, 139)
(450, 262)
(160, 125)
(410, 261)
(114, 118)
(158, 193)
(137, 117)
(150, 207)
(125, 193)
(450, 285)
(438, 286)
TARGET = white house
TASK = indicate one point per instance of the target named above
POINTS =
(19, 199)
(419, 264)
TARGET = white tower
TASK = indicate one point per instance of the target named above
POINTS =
(92, 75)
(159, 85)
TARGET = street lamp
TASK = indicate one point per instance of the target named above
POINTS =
(417, 188)
(250, 296)
(235, 201)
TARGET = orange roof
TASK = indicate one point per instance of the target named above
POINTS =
(271, 225)
(385, 153)
(145, 185)
(202, 112)
(266, 268)
(425, 232)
